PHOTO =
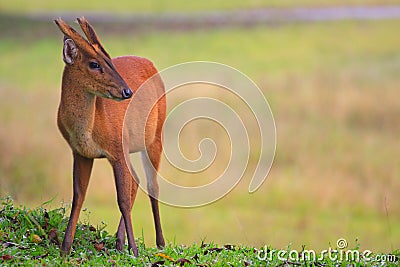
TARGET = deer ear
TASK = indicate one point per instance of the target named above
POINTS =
(69, 51)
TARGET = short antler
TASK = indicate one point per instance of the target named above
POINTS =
(71, 33)
(91, 35)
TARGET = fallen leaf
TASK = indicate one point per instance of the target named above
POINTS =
(99, 246)
(92, 228)
(35, 238)
(6, 257)
(162, 255)
(53, 237)
(182, 261)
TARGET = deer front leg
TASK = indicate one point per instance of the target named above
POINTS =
(121, 227)
(81, 175)
(126, 190)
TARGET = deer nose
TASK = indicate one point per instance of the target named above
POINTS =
(127, 93)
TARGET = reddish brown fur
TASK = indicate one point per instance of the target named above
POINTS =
(93, 125)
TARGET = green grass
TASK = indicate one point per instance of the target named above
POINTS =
(333, 88)
(175, 5)
(31, 237)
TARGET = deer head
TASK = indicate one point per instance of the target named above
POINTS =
(90, 63)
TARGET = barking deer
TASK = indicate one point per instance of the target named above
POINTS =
(96, 92)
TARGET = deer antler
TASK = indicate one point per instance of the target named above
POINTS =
(91, 35)
(71, 33)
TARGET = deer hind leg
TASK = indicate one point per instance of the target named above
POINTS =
(151, 162)
(126, 191)
(121, 227)
(81, 175)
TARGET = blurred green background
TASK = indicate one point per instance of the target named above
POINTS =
(333, 88)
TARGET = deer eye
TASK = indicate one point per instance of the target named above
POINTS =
(94, 65)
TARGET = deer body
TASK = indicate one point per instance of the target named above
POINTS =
(100, 122)
(91, 118)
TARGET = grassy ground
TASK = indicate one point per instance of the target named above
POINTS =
(175, 5)
(333, 88)
(31, 237)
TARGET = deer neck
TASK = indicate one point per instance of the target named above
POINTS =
(76, 112)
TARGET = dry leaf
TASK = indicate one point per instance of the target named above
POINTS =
(53, 237)
(6, 257)
(35, 238)
(162, 255)
(99, 246)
